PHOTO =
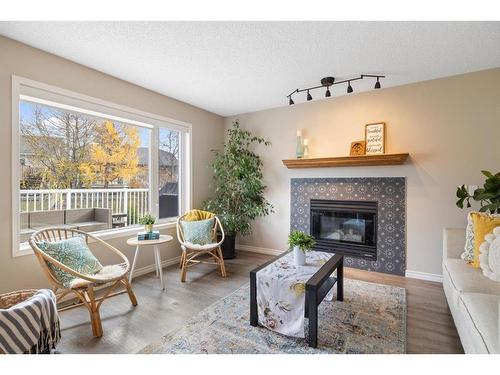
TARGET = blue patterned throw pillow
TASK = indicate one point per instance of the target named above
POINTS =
(198, 232)
(73, 253)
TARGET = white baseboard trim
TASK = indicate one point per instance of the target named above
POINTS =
(151, 267)
(424, 276)
(260, 250)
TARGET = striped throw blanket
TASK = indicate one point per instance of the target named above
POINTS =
(31, 326)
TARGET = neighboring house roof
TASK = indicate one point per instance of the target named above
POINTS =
(170, 188)
(166, 158)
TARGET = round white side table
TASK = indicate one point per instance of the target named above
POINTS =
(138, 244)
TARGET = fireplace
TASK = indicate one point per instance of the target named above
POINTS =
(345, 227)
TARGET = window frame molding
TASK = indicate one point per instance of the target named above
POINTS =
(72, 101)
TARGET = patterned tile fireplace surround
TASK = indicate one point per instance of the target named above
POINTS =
(389, 192)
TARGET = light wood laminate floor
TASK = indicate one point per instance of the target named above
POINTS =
(128, 329)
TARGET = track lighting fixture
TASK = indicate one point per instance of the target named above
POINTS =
(330, 81)
(349, 87)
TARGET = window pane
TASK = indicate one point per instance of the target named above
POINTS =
(79, 171)
(168, 181)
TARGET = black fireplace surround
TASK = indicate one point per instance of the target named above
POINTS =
(345, 227)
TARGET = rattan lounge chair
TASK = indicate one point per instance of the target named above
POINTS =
(84, 285)
(191, 252)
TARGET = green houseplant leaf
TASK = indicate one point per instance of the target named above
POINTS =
(488, 196)
(147, 219)
(239, 191)
(303, 240)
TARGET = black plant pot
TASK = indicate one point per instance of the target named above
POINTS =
(228, 246)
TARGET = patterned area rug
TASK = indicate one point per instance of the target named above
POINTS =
(371, 319)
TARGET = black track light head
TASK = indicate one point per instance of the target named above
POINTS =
(328, 82)
(349, 88)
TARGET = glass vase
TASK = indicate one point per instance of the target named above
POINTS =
(299, 149)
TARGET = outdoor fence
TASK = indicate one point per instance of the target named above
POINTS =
(132, 202)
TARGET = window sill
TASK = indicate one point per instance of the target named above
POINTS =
(25, 248)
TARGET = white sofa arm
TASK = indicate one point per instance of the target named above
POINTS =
(453, 242)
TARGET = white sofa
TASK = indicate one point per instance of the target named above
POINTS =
(474, 300)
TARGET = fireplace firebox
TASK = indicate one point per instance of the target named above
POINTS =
(345, 227)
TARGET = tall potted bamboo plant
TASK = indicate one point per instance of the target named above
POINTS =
(239, 191)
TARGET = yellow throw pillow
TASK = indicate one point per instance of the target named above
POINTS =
(483, 224)
(195, 215)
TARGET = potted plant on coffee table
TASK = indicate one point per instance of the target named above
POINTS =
(239, 191)
(300, 242)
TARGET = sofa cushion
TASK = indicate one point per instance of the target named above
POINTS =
(467, 279)
(483, 311)
(483, 224)
(79, 215)
(489, 259)
(468, 254)
(92, 226)
(453, 242)
(43, 219)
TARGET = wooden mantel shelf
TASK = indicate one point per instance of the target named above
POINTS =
(347, 161)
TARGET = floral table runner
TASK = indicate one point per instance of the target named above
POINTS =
(281, 292)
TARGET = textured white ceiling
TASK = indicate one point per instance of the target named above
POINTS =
(235, 67)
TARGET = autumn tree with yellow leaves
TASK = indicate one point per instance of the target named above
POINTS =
(113, 155)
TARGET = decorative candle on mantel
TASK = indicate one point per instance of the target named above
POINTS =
(306, 148)
(299, 149)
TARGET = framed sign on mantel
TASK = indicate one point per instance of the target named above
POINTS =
(375, 138)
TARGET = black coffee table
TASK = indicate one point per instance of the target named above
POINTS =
(317, 287)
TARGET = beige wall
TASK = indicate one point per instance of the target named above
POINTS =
(24, 61)
(450, 127)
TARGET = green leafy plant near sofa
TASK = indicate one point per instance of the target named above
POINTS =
(488, 195)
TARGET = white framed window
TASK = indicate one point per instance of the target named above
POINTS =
(93, 165)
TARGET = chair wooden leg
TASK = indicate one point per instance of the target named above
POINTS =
(94, 313)
(184, 267)
(130, 292)
(221, 262)
(183, 255)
